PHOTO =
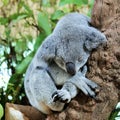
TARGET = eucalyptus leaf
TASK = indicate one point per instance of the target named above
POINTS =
(18, 16)
(57, 14)
(115, 114)
(76, 2)
(91, 2)
(20, 46)
(5, 2)
(13, 79)
(19, 57)
(3, 21)
(85, 1)
(1, 111)
(21, 68)
(7, 32)
(27, 8)
(39, 40)
(43, 22)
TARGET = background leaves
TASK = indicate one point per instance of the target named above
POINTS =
(43, 22)
(76, 2)
(1, 111)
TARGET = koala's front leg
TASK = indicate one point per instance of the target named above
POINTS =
(71, 86)
(87, 86)
(92, 84)
(68, 91)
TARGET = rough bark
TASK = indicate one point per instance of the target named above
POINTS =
(104, 68)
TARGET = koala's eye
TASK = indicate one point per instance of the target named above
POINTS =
(60, 62)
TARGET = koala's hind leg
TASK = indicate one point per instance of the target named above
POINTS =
(42, 88)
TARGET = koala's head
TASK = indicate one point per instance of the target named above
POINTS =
(94, 39)
(70, 52)
(67, 54)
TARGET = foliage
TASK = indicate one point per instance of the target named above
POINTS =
(115, 114)
(23, 28)
(1, 111)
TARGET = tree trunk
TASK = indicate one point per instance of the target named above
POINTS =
(104, 69)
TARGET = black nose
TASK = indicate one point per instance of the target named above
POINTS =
(70, 68)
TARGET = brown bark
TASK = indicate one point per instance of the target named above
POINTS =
(104, 68)
(20, 112)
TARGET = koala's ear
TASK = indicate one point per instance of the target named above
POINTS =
(87, 45)
(90, 40)
(93, 39)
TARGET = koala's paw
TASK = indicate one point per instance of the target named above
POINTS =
(62, 96)
(92, 84)
(92, 88)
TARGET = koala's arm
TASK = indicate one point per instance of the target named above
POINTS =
(46, 52)
(73, 85)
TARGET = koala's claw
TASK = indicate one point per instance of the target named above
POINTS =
(84, 71)
(55, 96)
(95, 89)
(89, 87)
(62, 96)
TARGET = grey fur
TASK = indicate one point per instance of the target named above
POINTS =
(71, 42)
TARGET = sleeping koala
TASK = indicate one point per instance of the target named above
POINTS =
(58, 62)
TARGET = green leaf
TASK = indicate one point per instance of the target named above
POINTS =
(29, 11)
(90, 5)
(18, 16)
(91, 2)
(43, 22)
(46, 3)
(64, 2)
(13, 79)
(26, 8)
(85, 1)
(21, 68)
(39, 40)
(19, 57)
(5, 2)
(7, 32)
(20, 46)
(76, 2)
(57, 14)
(114, 114)
(1, 111)
(3, 21)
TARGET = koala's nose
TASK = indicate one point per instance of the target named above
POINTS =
(70, 68)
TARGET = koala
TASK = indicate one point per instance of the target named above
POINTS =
(57, 71)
